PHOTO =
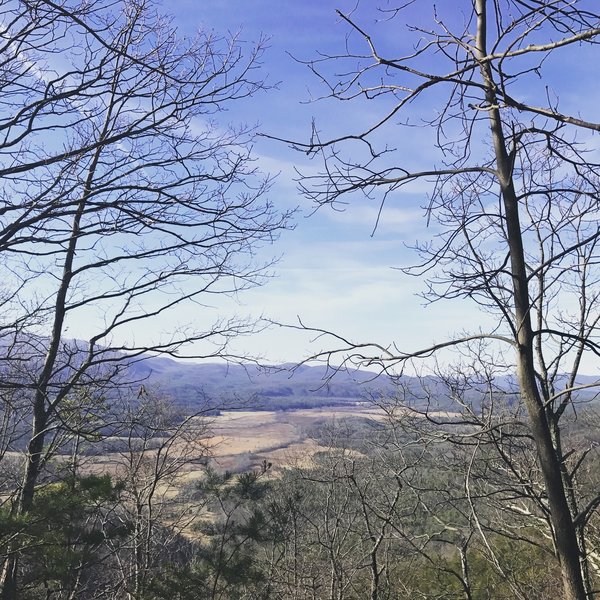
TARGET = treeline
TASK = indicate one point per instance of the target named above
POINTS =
(297, 402)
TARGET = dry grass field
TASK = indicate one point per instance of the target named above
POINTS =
(243, 439)
(238, 441)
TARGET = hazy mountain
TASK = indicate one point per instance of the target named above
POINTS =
(281, 386)
(287, 386)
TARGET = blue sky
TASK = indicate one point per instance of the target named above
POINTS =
(334, 272)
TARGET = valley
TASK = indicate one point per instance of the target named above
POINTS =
(242, 440)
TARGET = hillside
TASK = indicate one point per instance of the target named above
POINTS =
(250, 386)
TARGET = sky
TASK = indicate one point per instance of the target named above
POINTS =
(335, 270)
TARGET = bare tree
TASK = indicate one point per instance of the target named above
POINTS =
(341, 525)
(514, 200)
(125, 197)
(158, 447)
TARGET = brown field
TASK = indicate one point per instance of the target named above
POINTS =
(238, 441)
(242, 440)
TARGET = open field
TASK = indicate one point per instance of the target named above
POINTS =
(238, 441)
(241, 440)
(244, 439)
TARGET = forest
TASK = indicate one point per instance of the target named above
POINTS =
(132, 198)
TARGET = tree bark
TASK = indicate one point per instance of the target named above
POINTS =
(41, 408)
(567, 548)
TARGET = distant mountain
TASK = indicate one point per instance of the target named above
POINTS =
(280, 386)
(289, 386)
(193, 385)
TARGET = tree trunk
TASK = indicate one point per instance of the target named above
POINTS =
(41, 408)
(567, 548)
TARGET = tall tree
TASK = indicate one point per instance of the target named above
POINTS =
(514, 198)
(125, 198)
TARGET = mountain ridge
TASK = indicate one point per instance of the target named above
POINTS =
(289, 386)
